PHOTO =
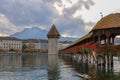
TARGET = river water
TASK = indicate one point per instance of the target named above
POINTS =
(52, 67)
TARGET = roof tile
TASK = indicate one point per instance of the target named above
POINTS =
(109, 21)
(53, 32)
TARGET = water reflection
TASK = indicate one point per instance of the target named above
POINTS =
(53, 72)
(94, 71)
(9, 63)
(28, 67)
(35, 67)
(50, 67)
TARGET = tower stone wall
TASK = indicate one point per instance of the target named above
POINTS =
(53, 46)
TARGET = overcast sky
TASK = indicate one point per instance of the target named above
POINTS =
(73, 18)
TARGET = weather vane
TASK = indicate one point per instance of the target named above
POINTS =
(101, 14)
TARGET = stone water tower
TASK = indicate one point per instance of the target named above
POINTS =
(53, 40)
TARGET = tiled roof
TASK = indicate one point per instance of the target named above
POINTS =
(53, 32)
(35, 40)
(109, 21)
(81, 39)
(9, 38)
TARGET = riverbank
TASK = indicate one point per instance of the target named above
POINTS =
(21, 53)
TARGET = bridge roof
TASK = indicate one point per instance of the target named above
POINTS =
(81, 39)
(109, 21)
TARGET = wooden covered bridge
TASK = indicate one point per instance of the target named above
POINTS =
(100, 40)
(103, 33)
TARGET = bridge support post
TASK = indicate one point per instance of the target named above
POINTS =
(108, 61)
(104, 61)
(113, 37)
(111, 61)
(108, 38)
(99, 40)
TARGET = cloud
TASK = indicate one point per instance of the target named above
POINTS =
(68, 25)
(44, 13)
(25, 12)
(71, 26)
(88, 26)
(68, 6)
(6, 27)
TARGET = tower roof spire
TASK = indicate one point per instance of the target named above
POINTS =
(53, 33)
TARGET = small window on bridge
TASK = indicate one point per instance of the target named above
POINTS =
(102, 42)
(117, 40)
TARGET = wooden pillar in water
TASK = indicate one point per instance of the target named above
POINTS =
(108, 61)
(104, 61)
(111, 61)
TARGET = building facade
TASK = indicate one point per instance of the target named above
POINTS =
(36, 44)
(10, 43)
(64, 44)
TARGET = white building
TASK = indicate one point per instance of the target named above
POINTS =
(64, 44)
(7, 43)
(38, 43)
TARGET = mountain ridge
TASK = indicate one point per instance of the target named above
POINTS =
(36, 33)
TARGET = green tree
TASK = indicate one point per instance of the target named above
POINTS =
(24, 47)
